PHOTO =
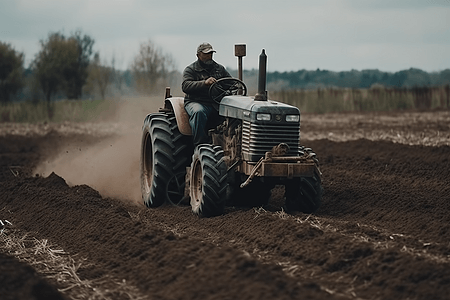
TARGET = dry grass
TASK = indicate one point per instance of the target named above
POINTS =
(378, 98)
(62, 269)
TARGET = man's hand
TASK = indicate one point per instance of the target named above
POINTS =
(210, 81)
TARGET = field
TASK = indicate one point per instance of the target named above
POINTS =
(74, 226)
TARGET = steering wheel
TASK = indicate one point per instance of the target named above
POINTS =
(225, 87)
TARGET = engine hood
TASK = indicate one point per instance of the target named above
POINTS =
(246, 108)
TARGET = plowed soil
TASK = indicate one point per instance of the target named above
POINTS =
(382, 232)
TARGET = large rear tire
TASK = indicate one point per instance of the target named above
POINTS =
(208, 181)
(156, 164)
(182, 155)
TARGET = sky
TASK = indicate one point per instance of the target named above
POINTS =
(335, 35)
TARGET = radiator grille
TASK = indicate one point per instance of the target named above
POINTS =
(258, 139)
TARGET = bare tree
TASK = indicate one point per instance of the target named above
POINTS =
(151, 67)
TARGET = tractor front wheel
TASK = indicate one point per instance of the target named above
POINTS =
(303, 194)
(208, 181)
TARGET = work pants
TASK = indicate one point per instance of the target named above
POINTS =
(200, 116)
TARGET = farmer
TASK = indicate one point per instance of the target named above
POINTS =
(197, 78)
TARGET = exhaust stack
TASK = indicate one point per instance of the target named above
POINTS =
(240, 51)
(262, 93)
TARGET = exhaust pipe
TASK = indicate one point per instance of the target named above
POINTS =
(262, 93)
(240, 51)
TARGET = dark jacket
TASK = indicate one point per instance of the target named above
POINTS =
(194, 86)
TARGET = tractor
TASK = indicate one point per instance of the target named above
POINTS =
(255, 147)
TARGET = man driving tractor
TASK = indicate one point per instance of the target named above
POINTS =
(197, 78)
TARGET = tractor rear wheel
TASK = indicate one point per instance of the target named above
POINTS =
(156, 164)
(182, 155)
(208, 181)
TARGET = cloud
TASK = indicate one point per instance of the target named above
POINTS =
(296, 34)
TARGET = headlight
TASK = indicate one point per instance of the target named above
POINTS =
(292, 118)
(263, 117)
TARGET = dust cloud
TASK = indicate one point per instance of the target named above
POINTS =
(111, 164)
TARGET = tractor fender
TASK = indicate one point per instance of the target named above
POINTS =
(177, 105)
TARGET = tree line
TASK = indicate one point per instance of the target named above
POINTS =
(66, 67)
(304, 79)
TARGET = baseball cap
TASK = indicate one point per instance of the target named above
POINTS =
(205, 48)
